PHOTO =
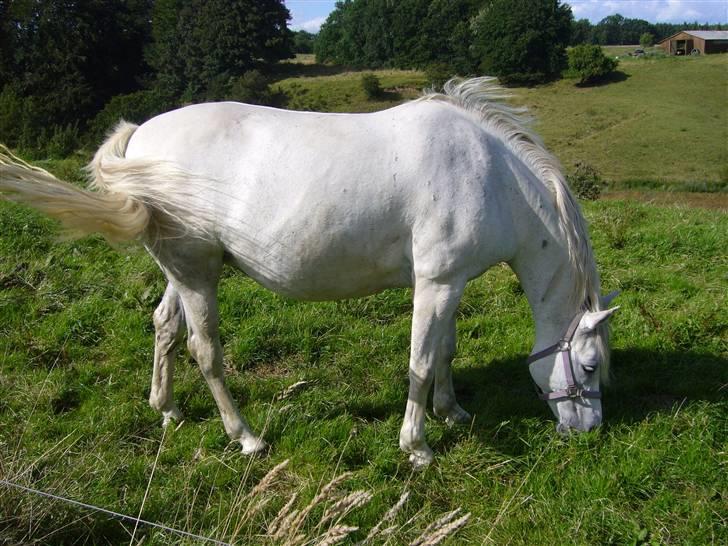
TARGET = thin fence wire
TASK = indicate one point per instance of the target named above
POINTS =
(122, 517)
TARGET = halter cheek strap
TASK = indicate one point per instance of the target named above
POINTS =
(563, 346)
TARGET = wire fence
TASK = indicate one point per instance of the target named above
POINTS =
(117, 515)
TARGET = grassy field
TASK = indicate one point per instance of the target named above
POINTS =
(76, 345)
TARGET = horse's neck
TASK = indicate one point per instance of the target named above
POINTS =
(547, 278)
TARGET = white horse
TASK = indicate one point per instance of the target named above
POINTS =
(429, 194)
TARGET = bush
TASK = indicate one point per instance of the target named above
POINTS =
(135, 107)
(63, 141)
(372, 86)
(586, 181)
(252, 88)
(589, 64)
(647, 40)
(437, 74)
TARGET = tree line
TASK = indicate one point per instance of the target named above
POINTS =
(69, 70)
(522, 41)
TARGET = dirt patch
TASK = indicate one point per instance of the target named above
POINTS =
(714, 201)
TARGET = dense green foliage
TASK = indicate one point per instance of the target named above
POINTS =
(585, 182)
(647, 39)
(411, 33)
(61, 63)
(371, 85)
(590, 64)
(522, 41)
(303, 42)
(216, 40)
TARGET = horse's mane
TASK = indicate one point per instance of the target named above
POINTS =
(485, 98)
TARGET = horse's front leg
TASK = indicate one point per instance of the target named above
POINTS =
(444, 402)
(169, 322)
(435, 304)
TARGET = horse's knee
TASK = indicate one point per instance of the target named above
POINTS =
(168, 325)
(207, 356)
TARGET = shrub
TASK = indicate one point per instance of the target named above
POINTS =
(586, 181)
(252, 87)
(372, 86)
(589, 63)
(135, 107)
(647, 40)
(63, 141)
(437, 74)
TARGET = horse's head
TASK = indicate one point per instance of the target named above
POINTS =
(570, 371)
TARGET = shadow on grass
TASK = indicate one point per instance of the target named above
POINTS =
(300, 70)
(613, 77)
(645, 382)
(501, 392)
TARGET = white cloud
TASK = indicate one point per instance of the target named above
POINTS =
(674, 10)
(312, 25)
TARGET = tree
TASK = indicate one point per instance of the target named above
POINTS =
(647, 40)
(201, 45)
(589, 63)
(303, 41)
(404, 34)
(582, 32)
(523, 41)
(65, 59)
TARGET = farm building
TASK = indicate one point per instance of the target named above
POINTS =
(696, 42)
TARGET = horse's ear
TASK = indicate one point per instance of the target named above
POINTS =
(606, 300)
(591, 320)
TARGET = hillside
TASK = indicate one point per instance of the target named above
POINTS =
(660, 123)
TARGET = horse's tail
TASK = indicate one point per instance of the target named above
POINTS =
(117, 215)
(132, 194)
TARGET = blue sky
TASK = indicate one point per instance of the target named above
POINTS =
(310, 14)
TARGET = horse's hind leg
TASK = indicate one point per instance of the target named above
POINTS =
(203, 340)
(169, 322)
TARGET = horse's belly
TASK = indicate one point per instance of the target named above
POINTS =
(329, 275)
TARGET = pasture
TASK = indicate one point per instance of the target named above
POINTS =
(76, 343)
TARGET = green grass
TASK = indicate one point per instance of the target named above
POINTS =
(76, 342)
(343, 91)
(664, 124)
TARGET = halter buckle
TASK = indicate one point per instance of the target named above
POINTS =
(572, 391)
(564, 345)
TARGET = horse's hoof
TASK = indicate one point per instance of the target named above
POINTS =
(171, 415)
(457, 416)
(421, 458)
(253, 445)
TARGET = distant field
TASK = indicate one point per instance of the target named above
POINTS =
(665, 124)
(662, 123)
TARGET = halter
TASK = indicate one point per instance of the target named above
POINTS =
(563, 346)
